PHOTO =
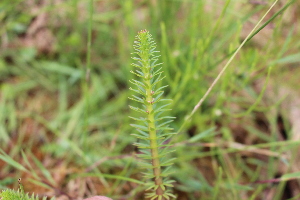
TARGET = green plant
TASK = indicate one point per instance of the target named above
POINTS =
(10, 194)
(153, 143)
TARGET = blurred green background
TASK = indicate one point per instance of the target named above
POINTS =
(64, 126)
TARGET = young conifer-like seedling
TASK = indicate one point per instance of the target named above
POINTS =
(19, 194)
(153, 130)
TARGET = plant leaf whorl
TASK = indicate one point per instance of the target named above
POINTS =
(153, 126)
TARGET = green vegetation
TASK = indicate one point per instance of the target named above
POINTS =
(154, 145)
(9, 194)
(64, 71)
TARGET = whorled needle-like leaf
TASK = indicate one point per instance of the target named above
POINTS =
(153, 127)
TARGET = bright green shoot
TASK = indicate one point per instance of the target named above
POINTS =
(18, 194)
(153, 134)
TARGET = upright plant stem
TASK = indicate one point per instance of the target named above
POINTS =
(154, 131)
(87, 73)
(152, 135)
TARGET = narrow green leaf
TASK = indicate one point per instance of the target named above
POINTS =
(208, 133)
(137, 109)
(291, 176)
(138, 119)
(165, 123)
(144, 128)
(43, 169)
(6, 158)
